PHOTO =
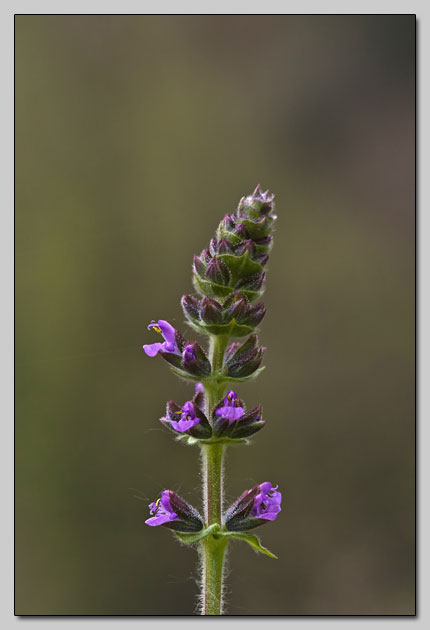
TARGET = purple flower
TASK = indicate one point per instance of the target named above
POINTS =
(186, 418)
(173, 512)
(232, 407)
(267, 503)
(254, 507)
(169, 334)
(187, 357)
(162, 511)
(230, 420)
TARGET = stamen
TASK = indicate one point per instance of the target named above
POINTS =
(154, 326)
(157, 506)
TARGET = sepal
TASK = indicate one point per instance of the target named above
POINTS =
(243, 360)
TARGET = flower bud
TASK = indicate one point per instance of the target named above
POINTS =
(198, 266)
(210, 311)
(243, 360)
(190, 306)
(252, 283)
(217, 272)
(246, 246)
(199, 396)
(195, 361)
(213, 246)
(261, 258)
(224, 246)
(228, 223)
(239, 309)
(241, 231)
(256, 205)
(171, 511)
(206, 256)
(254, 315)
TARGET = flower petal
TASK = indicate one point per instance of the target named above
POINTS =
(153, 349)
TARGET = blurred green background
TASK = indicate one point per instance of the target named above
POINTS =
(134, 135)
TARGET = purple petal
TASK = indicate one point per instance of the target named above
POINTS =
(153, 349)
(231, 413)
(168, 333)
(188, 409)
(266, 487)
(165, 500)
(231, 396)
(270, 516)
(189, 354)
(161, 518)
(183, 424)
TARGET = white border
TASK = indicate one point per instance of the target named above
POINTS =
(7, 11)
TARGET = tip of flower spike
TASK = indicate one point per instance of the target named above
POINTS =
(265, 197)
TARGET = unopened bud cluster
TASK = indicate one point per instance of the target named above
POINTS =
(237, 256)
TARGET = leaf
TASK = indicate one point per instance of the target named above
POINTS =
(240, 266)
(191, 539)
(186, 376)
(252, 540)
(212, 289)
(242, 379)
(232, 329)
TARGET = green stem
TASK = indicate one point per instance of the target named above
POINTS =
(212, 456)
(212, 556)
(213, 549)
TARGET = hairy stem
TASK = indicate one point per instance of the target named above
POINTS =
(212, 456)
(212, 557)
(213, 549)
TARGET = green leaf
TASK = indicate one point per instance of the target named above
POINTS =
(243, 379)
(211, 289)
(240, 266)
(185, 375)
(252, 295)
(252, 540)
(257, 229)
(191, 539)
(232, 329)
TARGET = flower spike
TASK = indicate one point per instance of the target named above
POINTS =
(229, 278)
